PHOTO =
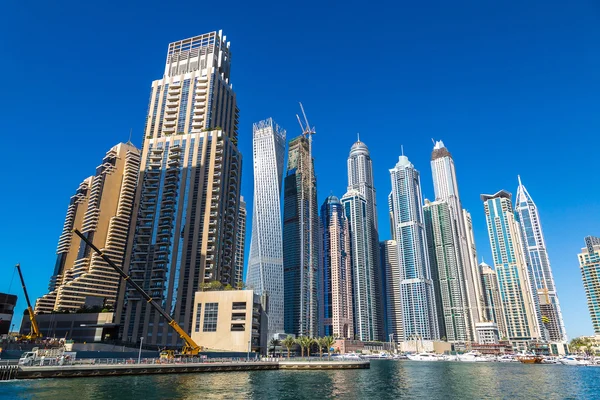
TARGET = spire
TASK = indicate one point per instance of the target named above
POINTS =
(357, 136)
(129, 141)
(402, 149)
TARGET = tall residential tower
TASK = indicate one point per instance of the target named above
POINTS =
(265, 264)
(184, 230)
(419, 316)
(300, 240)
(534, 246)
(589, 263)
(101, 210)
(521, 315)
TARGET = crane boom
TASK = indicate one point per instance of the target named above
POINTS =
(35, 330)
(190, 347)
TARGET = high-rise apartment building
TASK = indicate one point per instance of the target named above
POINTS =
(392, 298)
(101, 210)
(493, 309)
(360, 178)
(300, 240)
(419, 316)
(265, 263)
(446, 189)
(240, 246)
(365, 296)
(446, 271)
(589, 263)
(522, 317)
(535, 250)
(185, 221)
(336, 270)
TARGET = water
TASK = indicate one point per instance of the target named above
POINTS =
(385, 380)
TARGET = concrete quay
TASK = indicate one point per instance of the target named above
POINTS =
(123, 369)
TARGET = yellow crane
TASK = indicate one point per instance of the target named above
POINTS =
(35, 330)
(190, 348)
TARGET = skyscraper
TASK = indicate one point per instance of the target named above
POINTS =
(101, 210)
(363, 269)
(184, 230)
(301, 241)
(392, 299)
(336, 280)
(534, 247)
(240, 246)
(360, 178)
(265, 264)
(493, 310)
(446, 189)
(419, 316)
(589, 263)
(522, 318)
(446, 271)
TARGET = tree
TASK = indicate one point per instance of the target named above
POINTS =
(273, 344)
(305, 342)
(289, 342)
(300, 343)
(328, 342)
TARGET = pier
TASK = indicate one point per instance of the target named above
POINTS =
(122, 368)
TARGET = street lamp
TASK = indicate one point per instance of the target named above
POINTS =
(140, 352)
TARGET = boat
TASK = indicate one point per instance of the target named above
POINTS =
(400, 357)
(550, 360)
(507, 358)
(472, 356)
(381, 356)
(424, 357)
(349, 357)
(530, 358)
(574, 360)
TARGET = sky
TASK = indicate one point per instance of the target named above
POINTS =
(510, 87)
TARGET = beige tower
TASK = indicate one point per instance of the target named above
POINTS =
(101, 209)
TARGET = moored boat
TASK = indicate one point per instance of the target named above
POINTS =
(530, 359)
(574, 360)
(424, 357)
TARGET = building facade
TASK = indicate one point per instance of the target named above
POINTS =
(7, 310)
(419, 315)
(534, 247)
(487, 333)
(184, 229)
(493, 309)
(101, 209)
(392, 298)
(446, 271)
(230, 320)
(589, 264)
(446, 189)
(516, 290)
(240, 246)
(265, 263)
(300, 241)
(336, 272)
(365, 296)
(360, 178)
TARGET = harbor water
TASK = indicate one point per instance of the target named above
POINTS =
(386, 379)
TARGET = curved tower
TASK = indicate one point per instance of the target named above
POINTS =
(265, 264)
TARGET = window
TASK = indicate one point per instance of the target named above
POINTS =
(211, 312)
(238, 316)
(198, 314)
(238, 327)
(239, 305)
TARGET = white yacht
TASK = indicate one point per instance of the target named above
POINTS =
(424, 357)
(507, 358)
(472, 356)
(574, 360)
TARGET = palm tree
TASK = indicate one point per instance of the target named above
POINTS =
(305, 342)
(321, 343)
(328, 342)
(289, 342)
(273, 344)
(300, 342)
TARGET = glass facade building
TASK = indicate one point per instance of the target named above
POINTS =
(300, 241)
(265, 263)
(589, 264)
(419, 316)
(534, 246)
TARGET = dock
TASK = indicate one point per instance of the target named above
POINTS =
(124, 369)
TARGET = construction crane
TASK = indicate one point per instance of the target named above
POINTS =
(35, 330)
(190, 348)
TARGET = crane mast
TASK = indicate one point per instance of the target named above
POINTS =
(35, 330)
(190, 347)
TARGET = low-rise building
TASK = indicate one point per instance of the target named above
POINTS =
(419, 346)
(502, 347)
(7, 306)
(230, 320)
(80, 327)
(487, 332)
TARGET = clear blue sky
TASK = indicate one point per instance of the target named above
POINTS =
(510, 87)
